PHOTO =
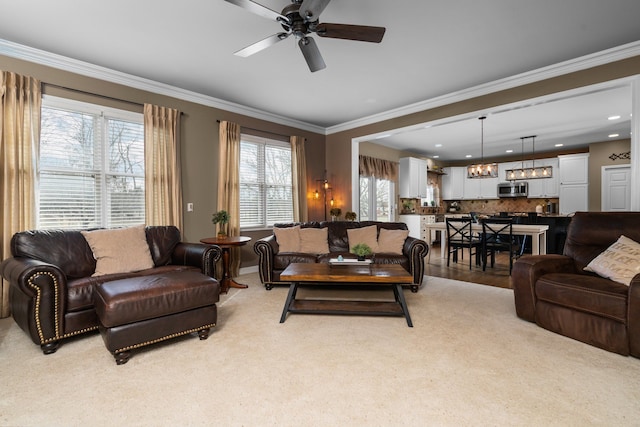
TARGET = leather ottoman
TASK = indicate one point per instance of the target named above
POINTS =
(144, 310)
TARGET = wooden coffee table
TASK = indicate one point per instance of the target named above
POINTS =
(322, 274)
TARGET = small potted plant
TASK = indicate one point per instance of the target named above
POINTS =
(222, 218)
(350, 216)
(335, 213)
(361, 250)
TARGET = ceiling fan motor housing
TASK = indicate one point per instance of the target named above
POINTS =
(298, 26)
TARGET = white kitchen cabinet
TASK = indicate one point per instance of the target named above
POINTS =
(480, 188)
(412, 176)
(545, 187)
(453, 183)
(574, 169)
(574, 182)
(416, 225)
(574, 198)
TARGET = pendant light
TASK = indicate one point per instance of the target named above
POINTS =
(482, 170)
(532, 172)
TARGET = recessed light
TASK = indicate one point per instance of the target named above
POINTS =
(468, 156)
(438, 145)
(509, 151)
(613, 117)
(613, 135)
(435, 157)
(559, 145)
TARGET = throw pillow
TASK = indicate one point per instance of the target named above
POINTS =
(119, 250)
(314, 240)
(620, 262)
(288, 238)
(367, 235)
(392, 241)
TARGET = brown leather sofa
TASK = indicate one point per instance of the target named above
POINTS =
(557, 294)
(272, 262)
(51, 289)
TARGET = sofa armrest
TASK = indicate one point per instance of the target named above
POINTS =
(198, 255)
(38, 302)
(266, 248)
(633, 313)
(526, 272)
(415, 250)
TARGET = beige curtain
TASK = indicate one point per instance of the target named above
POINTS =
(299, 172)
(382, 169)
(163, 184)
(229, 184)
(20, 102)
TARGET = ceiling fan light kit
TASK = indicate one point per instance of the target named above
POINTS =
(301, 18)
(482, 170)
(532, 172)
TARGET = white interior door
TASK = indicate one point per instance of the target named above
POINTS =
(616, 188)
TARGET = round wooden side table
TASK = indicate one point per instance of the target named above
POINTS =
(226, 243)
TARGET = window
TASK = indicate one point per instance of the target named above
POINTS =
(376, 199)
(91, 166)
(265, 182)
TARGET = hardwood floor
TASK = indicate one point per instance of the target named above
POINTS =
(497, 276)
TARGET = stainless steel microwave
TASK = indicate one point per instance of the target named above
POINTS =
(513, 189)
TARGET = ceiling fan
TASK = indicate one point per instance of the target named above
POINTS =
(301, 19)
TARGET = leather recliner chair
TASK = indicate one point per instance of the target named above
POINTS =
(556, 293)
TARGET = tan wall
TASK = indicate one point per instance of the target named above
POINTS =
(599, 156)
(199, 138)
(339, 144)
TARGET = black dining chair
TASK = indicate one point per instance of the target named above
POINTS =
(497, 236)
(460, 237)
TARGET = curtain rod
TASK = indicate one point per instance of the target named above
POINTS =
(93, 94)
(111, 98)
(261, 130)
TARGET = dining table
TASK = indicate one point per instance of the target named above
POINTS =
(537, 232)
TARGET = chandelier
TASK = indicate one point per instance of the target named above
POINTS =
(532, 172)
(482, 170)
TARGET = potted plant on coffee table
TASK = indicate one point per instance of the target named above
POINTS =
(222, 218)
(361, 250)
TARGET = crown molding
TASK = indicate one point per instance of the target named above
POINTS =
(60, 62)
(582, 63)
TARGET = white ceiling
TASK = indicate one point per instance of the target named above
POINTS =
(430, 49)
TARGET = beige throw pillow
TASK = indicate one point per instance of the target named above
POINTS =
(119, 250)
(620, 262)
(288, 238)
(367, 235)
(314, 240)
(392, 241)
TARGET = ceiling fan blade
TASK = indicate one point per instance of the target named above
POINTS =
(311, 54)
(361, 33)
(259, 9)
(261, 45)
(310, 10)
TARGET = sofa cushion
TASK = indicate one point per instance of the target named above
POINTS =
(119, 250)
(66, 249)
(392, 241)
(282, 261)
(162, 240)
(288, 238)
(366, 235)
(591, 294)
(314, 240)
(620, 262)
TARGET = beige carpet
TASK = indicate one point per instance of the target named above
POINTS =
(468, 360)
